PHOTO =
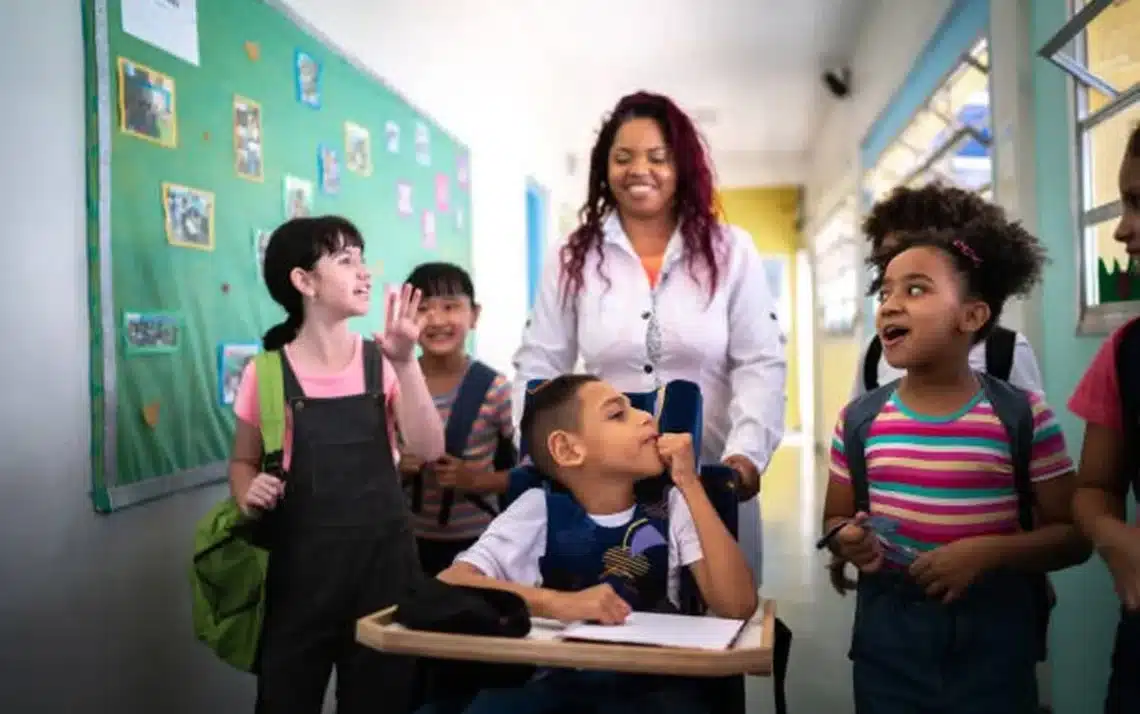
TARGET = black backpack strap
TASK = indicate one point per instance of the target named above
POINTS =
(857, 420)
(1014, 411)
(999, 352)
(1128, 381)
(871, 364)
(464, 411)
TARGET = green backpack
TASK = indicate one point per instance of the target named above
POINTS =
(227, 573)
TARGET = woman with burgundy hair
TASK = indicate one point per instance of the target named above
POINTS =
(652, 287)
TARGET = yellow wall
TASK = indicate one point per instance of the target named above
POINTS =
(769, 214)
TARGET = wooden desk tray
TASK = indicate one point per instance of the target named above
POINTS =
(750, 654)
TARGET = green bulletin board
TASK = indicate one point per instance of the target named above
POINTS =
(190, 165)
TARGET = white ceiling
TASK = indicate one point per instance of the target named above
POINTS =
(749, 70)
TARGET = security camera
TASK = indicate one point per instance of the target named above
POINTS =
(838, 82)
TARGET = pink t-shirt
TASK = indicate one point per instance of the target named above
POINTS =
(1096, 399)
(345, 383)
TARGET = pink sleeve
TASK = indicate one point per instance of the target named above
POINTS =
(246, 403)
(500, 399)
(1096, 399)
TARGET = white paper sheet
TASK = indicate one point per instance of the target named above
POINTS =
(648, 628)
(169, 25)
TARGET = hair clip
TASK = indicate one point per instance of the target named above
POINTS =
(967, 251)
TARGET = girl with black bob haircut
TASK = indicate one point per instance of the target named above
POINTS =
(341, 546)
(952, 599)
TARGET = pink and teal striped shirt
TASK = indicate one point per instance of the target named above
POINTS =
(947, 478)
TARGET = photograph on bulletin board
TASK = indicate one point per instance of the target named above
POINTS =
(298, 196)
(189, 216)
(152, 332)
(357, 149)
(147, 104)
(232, 359)
(308, 79)
(247, 139)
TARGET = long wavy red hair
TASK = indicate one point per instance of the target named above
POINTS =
(694, 204)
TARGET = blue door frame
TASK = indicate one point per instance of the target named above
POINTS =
(536, 213)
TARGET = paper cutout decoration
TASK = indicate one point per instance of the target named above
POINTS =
(328, 168)
(459, 219)
(462, 170)
(392, 136)
(442, 192)
(205, 136)
(189, 216)
(150, 414)
(248, 154)
(404, 198)
(428, 222)
(308, 78)
(298, 195)
(232, 359)
(225, 288)
(252, 50)
(152, 332)
(357, 149)
(147, 104)
(423, 144)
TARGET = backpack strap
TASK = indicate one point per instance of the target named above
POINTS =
(1013, 409)
(871, 364)
(271, 410)
(999, 352)
(1128, 381)
(856, 426)
(469, 401)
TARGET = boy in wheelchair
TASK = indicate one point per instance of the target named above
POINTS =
(587, 549)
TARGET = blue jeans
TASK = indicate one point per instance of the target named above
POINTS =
(912, 654)
(571, 691)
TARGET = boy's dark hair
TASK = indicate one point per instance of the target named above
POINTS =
(1133, 150)
(551, 406)
(442, 280)
(996, 259)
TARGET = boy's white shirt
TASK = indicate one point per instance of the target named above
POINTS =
(511, 547)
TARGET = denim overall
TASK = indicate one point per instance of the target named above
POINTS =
(634, 560)
(914, 655)
(342, 548)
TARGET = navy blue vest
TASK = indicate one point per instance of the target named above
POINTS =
(633, 558)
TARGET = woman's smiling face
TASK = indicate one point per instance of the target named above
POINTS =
(641, 173)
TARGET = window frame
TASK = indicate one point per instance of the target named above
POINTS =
(1092, 318)
(841, 222)
(956, 130)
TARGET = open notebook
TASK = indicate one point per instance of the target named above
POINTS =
(649, 628)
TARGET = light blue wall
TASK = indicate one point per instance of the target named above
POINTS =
(964, 23)
(1086, 614)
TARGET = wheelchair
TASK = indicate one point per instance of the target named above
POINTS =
(679, 408)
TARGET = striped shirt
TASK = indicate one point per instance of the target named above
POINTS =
(467, 520)
(950, 477)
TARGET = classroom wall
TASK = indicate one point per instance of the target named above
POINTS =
(94, 610)
(769, 214)
(1087, 609)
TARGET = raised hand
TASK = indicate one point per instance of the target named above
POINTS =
(402, 325)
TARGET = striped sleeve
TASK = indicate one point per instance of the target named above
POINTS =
(1050, 458)
(499, 400)
(837, 469)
